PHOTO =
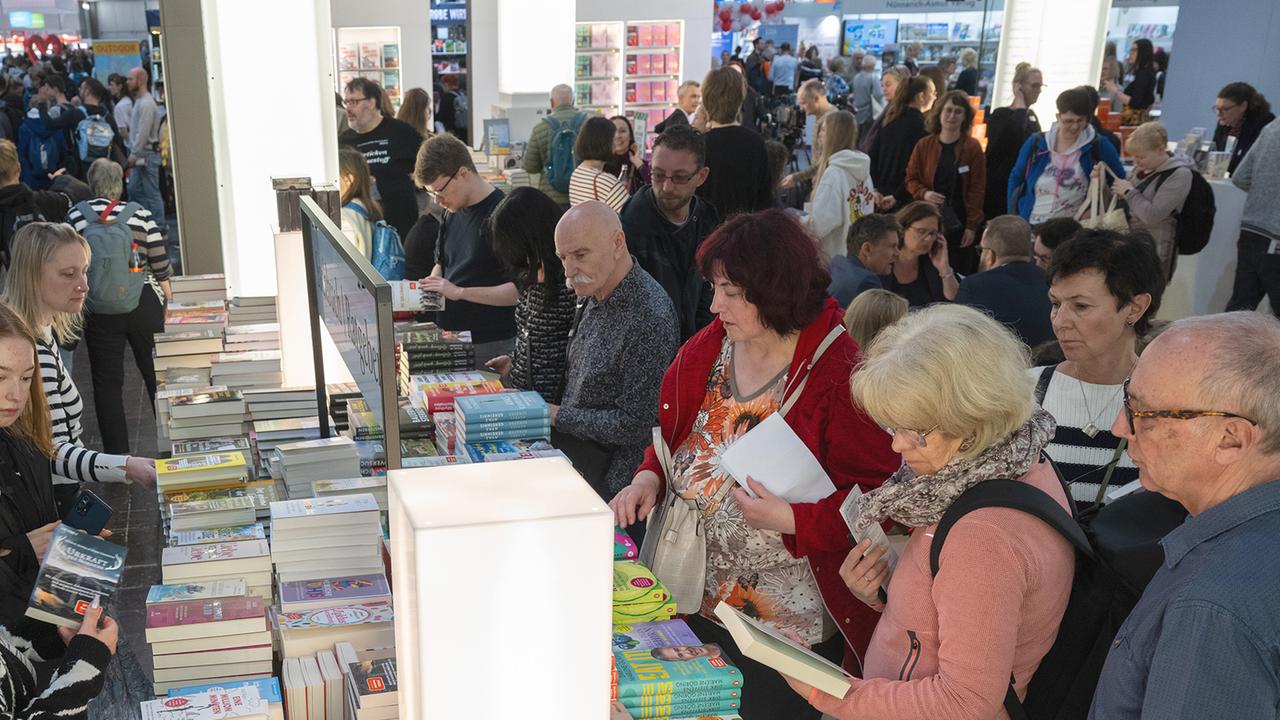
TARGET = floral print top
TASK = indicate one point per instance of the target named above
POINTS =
(747, 568)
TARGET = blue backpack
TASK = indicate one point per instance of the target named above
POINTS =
(561, 160)
(114, 286)
(40, 151)
(94, 137)
(387, 251)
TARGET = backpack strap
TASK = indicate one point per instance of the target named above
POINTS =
(87, 212)
(554, 123)
(357, 208)
(128, 211)
(578, 120)
(1042, 385)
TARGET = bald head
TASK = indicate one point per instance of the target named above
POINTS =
(561, 95)
(593, 247)
(138, 81)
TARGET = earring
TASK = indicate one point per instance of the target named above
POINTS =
(1130, 322)
(967, 445)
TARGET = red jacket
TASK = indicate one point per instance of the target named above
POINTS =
(850, 447)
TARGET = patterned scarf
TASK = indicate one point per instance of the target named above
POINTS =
(920, 500)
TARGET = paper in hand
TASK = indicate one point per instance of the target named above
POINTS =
(773, 455)
(851, 510)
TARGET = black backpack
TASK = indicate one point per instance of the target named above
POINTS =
(1195, 219)
(1117, 553)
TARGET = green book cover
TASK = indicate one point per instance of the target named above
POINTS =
(705, 668)
(633, 584)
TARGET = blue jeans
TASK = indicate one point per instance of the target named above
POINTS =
(144, 185)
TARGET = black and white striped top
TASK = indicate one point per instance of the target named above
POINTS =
(39, 679)
(145, 234)
(72, 462)
(1083, 459)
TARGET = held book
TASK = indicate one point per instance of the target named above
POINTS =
(767, 646)
(409, 296)
(850, 510)
(772, 454)
(78, 569)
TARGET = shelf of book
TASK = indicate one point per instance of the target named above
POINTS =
(372, 53)
(654, 60)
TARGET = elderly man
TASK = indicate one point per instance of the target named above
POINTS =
(688, 97)
(1202, 418)
(1010, 287)
(624, 338)
(538, 154)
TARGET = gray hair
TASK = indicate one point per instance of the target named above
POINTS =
(106, 179)
(868, 62)
(1242, 369)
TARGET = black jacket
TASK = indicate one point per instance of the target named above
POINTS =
(26, 503)
(1253, 124)
(677, 117)
(667, 253)
(1007, 130)
(20, 205)
(891, 152)
(1016, 295)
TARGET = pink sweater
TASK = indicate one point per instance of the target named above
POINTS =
(946, 647)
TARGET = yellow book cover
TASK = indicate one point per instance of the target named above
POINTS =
(625, 613)
(634, 583)
(195, 468)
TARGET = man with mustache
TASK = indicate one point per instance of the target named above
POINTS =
(624, 337)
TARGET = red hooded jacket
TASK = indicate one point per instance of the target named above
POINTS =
(848, 445)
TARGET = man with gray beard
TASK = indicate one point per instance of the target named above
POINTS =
(623, 339)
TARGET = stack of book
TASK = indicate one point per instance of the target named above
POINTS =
(326, 537)
(301, 463)
(651, 681)
(312, 686)
(198, 289)
(259, 493)
(210, 514)
(303, 595)
(436, 391)
(339, 394)
(251, 310)
(370, 682)
(188, 349)
(251, 369)
(196, 316)
(506, 450)
(194, 472)
(266, 435)
(367, 625)
(213, 703)
(182, 378)
(363, 424)
(280, 403)
(638, 595)
(446, 440)
(250, 338)
(228, 444)
(247, 560)
(201, 635)
(373, 457)
(432, 350)
(374, 485)
(501, 416)
(171, 390)
(268, 689)
(204, 415)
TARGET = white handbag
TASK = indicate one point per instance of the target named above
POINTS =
(1110, 217)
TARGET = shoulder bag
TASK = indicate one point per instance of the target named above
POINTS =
(675, 546)
(1099, 216)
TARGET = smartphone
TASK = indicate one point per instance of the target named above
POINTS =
(88, 513)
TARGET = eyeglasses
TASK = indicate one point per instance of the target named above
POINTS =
(659, 178)
(1225, 110)
(352, 102)
(922, 232)
(437, 193)
(1130, 413)
(915, 436)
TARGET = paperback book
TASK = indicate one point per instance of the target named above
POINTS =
(183, 592)
(241, 533)
(303, 595)
(78, 570)
(213, 704)
(705, 676)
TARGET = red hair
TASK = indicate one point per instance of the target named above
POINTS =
(775, 262)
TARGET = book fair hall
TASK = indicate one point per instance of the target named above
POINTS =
(639, 360)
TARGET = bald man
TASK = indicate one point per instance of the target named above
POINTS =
(625, 337)
(538, 153)
(144, 147)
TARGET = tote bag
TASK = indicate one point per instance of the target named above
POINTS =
(1093, 214)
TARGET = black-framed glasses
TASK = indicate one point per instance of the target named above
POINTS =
(658, 178)
(436, 193)
(1225, 110)
(1130, 413)
(352, 102)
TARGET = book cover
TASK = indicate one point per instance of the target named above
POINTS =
(346, 590)
(633, 583)
(182, 592)
(624, 548)
(200, 612)
(191, 464)
(707, 670)
(644, 35)
(370, 56)
(659, 31)
(524, 432)
(632, 64)
(653, 635)
(210, 445)
(582, 67)
(205, 398)
(268, 688)
(643, 612)
(582, 37)
(409, 296)
(644, 64)
(390, 55)
(310, 507)
(241, 533)
(179, 510)
(502, 407)
(661, 707)
(348, 56)
(349, 615)
(78, 568)
(769, 647)
(260, 492)
(347, 486)
(214, 552)
(212, 704)
(375, 682)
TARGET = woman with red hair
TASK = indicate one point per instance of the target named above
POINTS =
(776, 345)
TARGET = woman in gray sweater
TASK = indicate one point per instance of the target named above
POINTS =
(1158, 190)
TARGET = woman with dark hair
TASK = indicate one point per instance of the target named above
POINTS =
(589, 180)
(523, 227)
(1242, 113)
(777, 346)
(947, 168)
(811, 66)
(628, 161)
(1104, 289)
(922, 273)
(1095, 101)
(900, 130)
(1140, 94)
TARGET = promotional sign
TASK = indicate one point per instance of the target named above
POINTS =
(784, 33)
(116, 57)
(870, 35)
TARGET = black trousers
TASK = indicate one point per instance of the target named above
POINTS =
(105, 336)
(765, 694)
(1257, 274)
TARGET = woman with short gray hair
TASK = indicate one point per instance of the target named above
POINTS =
(106, 179)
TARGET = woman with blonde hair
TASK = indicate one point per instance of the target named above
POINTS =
(843, 191)
(956, 638)
(872, 311)
(46, 286)
(415, 109)
(1158, 190)
(968, 78)
(359, 210)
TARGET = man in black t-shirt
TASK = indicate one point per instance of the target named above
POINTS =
(389, 147)
(478, 295)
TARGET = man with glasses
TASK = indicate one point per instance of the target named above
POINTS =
(478, 295)
(1202, 420)
(1010, 287)
(389, 147)
(665, 223)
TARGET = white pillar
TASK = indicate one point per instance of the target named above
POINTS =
(1064, 39)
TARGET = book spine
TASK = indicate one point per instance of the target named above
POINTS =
(682, 710)
(698, 687)
(725, 699)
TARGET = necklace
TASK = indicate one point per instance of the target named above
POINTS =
(1091, 428)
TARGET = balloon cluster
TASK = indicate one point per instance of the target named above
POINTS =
(738, 16)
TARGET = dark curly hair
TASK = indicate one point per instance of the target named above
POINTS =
(1128, 263)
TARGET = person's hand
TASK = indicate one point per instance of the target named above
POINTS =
(1097, 172)
(56, 173)
(766, 511)
(500, 365)
(39, 538)
(1121, 186)
(140, 470)
(555, 412)
(788, 181)
(967, 239)
(442, 286)
(885, 203)
(108, 634)
(802, 688)
(938, 256)
(636, 161)
(864, 573)
(636, 500)
(936, 198)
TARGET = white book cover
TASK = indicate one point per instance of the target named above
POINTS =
(215, 704)
(767, 646)
(195, 591)
(773, 455)
(215, 551)
(409, 296)
(851, 510)
(335, 505)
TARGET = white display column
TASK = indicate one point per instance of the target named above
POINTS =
(1064, 39)
(273, 115)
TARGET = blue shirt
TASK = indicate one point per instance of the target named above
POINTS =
(849, 279)
(782, 71)
(1204, 640)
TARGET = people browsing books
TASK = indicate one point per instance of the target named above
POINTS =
(524, 227)
(625, 336)
(590, 181)
(47, 287)
(44, 675)
(776, 347)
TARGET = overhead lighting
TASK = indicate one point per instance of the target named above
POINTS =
(84, 6)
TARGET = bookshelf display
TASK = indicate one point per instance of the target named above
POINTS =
(372, 53)
(597, 69)
(653, 60)
(449, 39)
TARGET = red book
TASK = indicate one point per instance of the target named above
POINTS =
(205, 618)
(442, 401)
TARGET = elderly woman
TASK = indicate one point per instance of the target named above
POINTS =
(922, 273)
(947, 646)
(776, 346)
(1104, 288)
(107, 332)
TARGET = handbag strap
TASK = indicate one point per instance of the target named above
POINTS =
(795, 393)
(1111, 468)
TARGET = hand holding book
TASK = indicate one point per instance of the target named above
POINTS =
(96, 625)
(865, 571)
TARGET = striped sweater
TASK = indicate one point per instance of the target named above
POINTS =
(145, 233)
(72, 462)
(590, 184)
(1083, 459)
(42, 680)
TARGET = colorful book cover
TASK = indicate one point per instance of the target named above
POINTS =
(633, 583)
(644, 35)
(181, 592)
(213, 704)
(374, 680)
(199, 612)
(706, 669)
(582, 37)
(644, 64)
(363, 614)
(214, 552)
(660, 707)
(350, 590)
(370, 56)
(659, 31)
(174, 468)
(78, 568)
(260, 492)
(310, 507)
(633, 63)
(211, 445)
(180, 510)
(349, 56)
(502, 407)
(653, 635)
(390, 55)
(240, 533)
(522, 432)
(205, 398)
(268, 688)
(624, 548)
(646, 612)
(582, 67)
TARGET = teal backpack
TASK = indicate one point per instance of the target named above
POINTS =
(561, 160)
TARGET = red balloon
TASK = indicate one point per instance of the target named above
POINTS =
(725, 13)
(726, 25)
(755, 13)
